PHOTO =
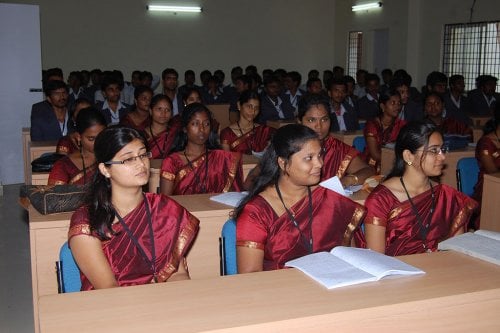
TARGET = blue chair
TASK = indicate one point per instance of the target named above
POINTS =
(467, 174)
(68, 273)
(359, 143)
(228, 248)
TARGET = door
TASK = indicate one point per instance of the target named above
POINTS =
(21, 68)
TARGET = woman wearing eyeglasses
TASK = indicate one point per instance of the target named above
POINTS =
(245, 136)
(198, 165)
(123, 236)
(409, 212)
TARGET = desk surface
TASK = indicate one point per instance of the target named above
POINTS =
(456, 289)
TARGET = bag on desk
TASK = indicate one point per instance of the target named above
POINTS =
(45, 162)
(48, 199)
(455, 141)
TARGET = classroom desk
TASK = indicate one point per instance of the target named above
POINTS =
(288, 301)
(479, 121)
(347, 137)
(26, 139)
(248, 163)
(490, 209)
(280, 123)
(37, 149)
(449, 176)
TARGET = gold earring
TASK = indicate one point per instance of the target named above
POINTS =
(409, 163)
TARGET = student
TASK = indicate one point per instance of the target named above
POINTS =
(68, 143)
(314, 86)
(343, 116)
(482, 101)
(211, 94)
(409, 213)
(284, 216)
(292, 82)
(410, 109)
(79, 166)
(189, 82)
(161, 132)
(139, 117)
(169, 78)
(49, 119)
(122, 236)
(245, 136)
(273, 104)
(455, 103)
(387, 77)
(75, 86)
(197, 165)
(368, 105)
(436, 82)
(339, 159)
(350, 99)
(112, 108)
(434, 112)
(359, 88)
(383, 129)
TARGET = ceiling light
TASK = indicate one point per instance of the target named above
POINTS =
(366, 6)
(175, 9)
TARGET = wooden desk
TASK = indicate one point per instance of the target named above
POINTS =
(347, 137)
(26, 139)
(37, 149)
(248, 163)
(449, 176)
(289, 301)
(490, 208)
(479, 121)
(280, 123)
(221, 114)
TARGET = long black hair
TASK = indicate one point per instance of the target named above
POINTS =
(107, 144)
(189, 111)
(412, 137)
(287, 141)
(87, 118)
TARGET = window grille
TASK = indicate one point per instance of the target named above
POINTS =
(355, 51)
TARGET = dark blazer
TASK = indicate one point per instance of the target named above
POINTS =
(477, 105)
(367, 109)
(107, 113)
(268, 110)
(452, 111)
(413, 111)
(350, 119)
(44, 123)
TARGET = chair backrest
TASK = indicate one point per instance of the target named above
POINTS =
(228, 248)
(359, 143)
(68, 273)
(467, 174)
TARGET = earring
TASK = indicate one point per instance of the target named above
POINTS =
(409, 163)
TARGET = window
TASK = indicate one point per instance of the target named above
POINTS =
(472, 49)
(354, 52)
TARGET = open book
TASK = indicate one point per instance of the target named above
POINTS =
(482, 244)
(229, 198)
(345, 266)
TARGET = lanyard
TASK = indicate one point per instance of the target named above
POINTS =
(152, 262)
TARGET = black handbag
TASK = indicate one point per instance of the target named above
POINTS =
(45, 162)
(48, 199)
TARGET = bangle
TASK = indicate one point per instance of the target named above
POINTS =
(356, 180)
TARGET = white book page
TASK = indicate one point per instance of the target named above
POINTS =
(330, 271)
(481, 247)
(374, 263)
(229, 198)
(334, 184)
(489, 234)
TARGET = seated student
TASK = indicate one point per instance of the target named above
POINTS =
(169, 78)
(343, 116)
(49, 119)
(488, 152)
(197, 165)
(350, 99)
(245, 136)
(211, 93)
(122, 236)
(314, 86)
(482, 101)
(189, 82)
(242, 83)
(455, 103)
(339, 159)
(273, 104)
(79, 167)
(387, 77)
(360, 87)
(383, 129)
(292, 82)
(434, 112)
(411, 110)
(312, 74)
(139, 117)
(161, 132)
(112, 108)
(68, 143)
(409, 213)
(284, 216)
(368, 105)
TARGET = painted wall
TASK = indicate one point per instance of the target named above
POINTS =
(122, 34)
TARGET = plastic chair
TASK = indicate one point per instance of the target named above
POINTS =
(68, 273)
(467, 174)
(359, 143)
(228, 248)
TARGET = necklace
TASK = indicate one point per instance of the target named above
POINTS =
(308, 242)
(251, 135)
(161, 149)
(196, 173)
(422, 228)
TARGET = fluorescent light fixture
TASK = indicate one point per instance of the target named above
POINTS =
(176, 9)
(366, 6)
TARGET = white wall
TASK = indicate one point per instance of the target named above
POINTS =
(121, 34)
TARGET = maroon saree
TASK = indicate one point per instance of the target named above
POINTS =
(336, 157)
(254, 140)
(65, 171)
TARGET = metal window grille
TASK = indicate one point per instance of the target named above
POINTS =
(355, 51)
(472, 49)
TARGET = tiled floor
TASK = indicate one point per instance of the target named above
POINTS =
(16, 308)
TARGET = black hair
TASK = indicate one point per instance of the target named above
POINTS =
(372, 77)
(295, 76)
(101, 211)
(456, 78)
(248, 95)
(110, 79)
(310, 100)
(483, 79)
(189, 72)
(436, 77)
(78, 101)
(310, 81)
(272, 79)
(87, 118)
(245, 79)
(189, 111)
(387, 96)
(287, 141)
(188, 92)
(53, 85)
(236, 69)
(168, 71)
(160, 97)
(412, 137)
(145, 75)
(336, 82)
(142, 89)
(349, 79)
(312, 73)
(251, 69)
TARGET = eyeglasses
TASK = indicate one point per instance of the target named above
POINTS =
(436, 150)
(131, 160)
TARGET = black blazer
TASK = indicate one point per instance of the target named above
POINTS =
(268, 110)
(477, 105)
(44, 123)
(107, 113)
(367, 109)
(350, 119)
